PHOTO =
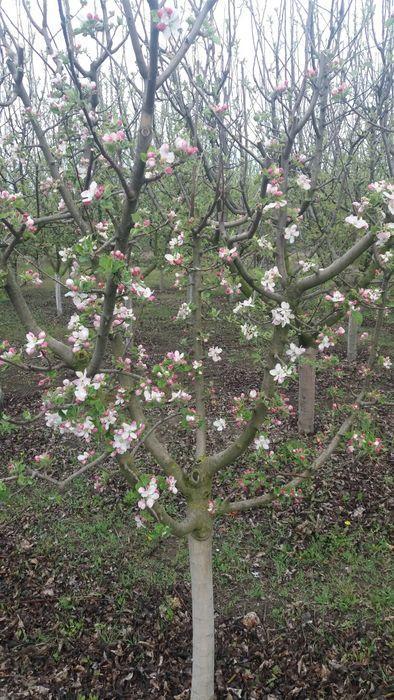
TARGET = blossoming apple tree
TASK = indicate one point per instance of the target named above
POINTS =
(120, 157)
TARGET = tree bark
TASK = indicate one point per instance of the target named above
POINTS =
(352, 335)
(190, 288)
(200, 555)
(307, 392)
(379, 322)
(58, 296)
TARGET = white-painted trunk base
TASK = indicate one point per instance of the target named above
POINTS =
(190, 289)
(203, 674)
(307, 392)
(58, 296)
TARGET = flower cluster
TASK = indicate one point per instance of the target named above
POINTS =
(215, 353)
(94, 191)
(280, 373)
(142, 292)
(176, 259)
(249, 331)
(149, 494)
(294, 352)
(125, 435)
(228, 254)
(29, 223)
(35, 342)
(341, 89)
(80, 334)
(242, 305)
(324, 342)
(335, 297)
(167, 156)
(303, 182)
(33, 277)
(371, 296)
(82, 383)
(171, 483)
(275, 205)
(168, 23)
(269, 278)
(220, 108)
(282, 315)
(261, 443)
(356, 221)
(291, 233)
(6, 196)
(183, 145)
(7, 352)
(114, 136)
(220, 424)
(273, 190)
(184, 312)
(228, 287)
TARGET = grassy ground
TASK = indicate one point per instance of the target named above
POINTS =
(91, 608)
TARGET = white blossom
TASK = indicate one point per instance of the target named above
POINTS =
(324, 343)
(165, 154)
(88, 195)
(215, 353)
(291, 233)
(153, 394)
(108, 418)
(294, 352)
(149, 495)
(383, 237)
(336, 297)
(220, 424)
(35, 342)
(305, 265)
(275, 205)
(246, 304)
(183, 312)
(171, 483)
(124, 436)
(356, 221)
(280, 373)
(261, 443)
(282, 315)
(249, 331)
(269, 277)
(303, 181)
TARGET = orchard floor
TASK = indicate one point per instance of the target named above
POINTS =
(91, 609)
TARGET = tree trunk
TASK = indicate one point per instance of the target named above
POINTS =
(352, 335)
(307, 392)
(190, 288)
(58, 295)
(379, 323)
(200, 555)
